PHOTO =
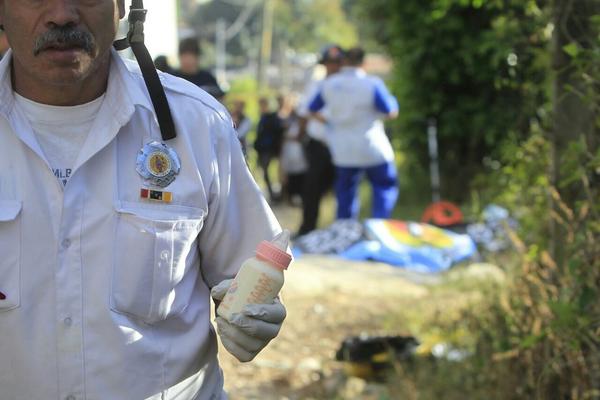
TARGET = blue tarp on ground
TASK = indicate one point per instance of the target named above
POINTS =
(411, 245)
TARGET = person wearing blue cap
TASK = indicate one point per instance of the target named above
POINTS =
(356, 105)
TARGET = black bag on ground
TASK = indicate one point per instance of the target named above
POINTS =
(371, 357)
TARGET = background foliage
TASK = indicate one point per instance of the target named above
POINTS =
(475, 66)
(515, 87)
(304, 26)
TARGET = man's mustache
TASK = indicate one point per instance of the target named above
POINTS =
(64, 37)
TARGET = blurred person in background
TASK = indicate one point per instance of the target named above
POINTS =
(269, 136)
(320, 172)
(189, 68)
(162, 64)
(292, 160)
(241, 122)
(356, 104)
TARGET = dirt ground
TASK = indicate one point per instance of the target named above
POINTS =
(327, 300)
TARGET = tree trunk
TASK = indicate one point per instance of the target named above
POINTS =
(573, 117)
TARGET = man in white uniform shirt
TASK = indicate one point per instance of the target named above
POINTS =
(356, 103)
(111, 238)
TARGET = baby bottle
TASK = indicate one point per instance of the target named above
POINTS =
(260, 278)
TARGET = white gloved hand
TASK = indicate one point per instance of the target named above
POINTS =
(248, 332)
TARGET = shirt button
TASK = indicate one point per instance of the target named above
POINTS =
(66, 243)
(68, 322)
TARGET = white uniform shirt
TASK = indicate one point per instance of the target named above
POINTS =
(105, 296)
(355, 102)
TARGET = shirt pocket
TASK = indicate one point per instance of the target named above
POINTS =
(152, 249)
(10, 251)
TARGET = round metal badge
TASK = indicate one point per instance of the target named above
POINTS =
(158, 164)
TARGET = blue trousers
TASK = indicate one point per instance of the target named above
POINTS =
(384, 184)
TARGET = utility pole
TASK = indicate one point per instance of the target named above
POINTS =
(434, 167)
(221, 50)
(284, 76)
(266, 42)
(573, 118)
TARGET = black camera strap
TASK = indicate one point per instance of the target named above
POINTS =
(135, 40)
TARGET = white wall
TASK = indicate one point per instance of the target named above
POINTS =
(160, 27)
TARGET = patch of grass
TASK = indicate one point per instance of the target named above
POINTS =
(439, 318)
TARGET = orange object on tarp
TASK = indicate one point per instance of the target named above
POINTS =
(442, 213)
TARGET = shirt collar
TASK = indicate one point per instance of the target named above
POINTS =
(123, 90)
(353, 71)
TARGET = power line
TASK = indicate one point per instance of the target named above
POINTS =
(245, 15)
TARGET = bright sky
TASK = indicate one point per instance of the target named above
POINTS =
(161, 27)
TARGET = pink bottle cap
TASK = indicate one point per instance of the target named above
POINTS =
(272, 254)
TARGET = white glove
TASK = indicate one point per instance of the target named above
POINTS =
(248, 332)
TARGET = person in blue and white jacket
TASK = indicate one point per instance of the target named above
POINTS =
(357, 103)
